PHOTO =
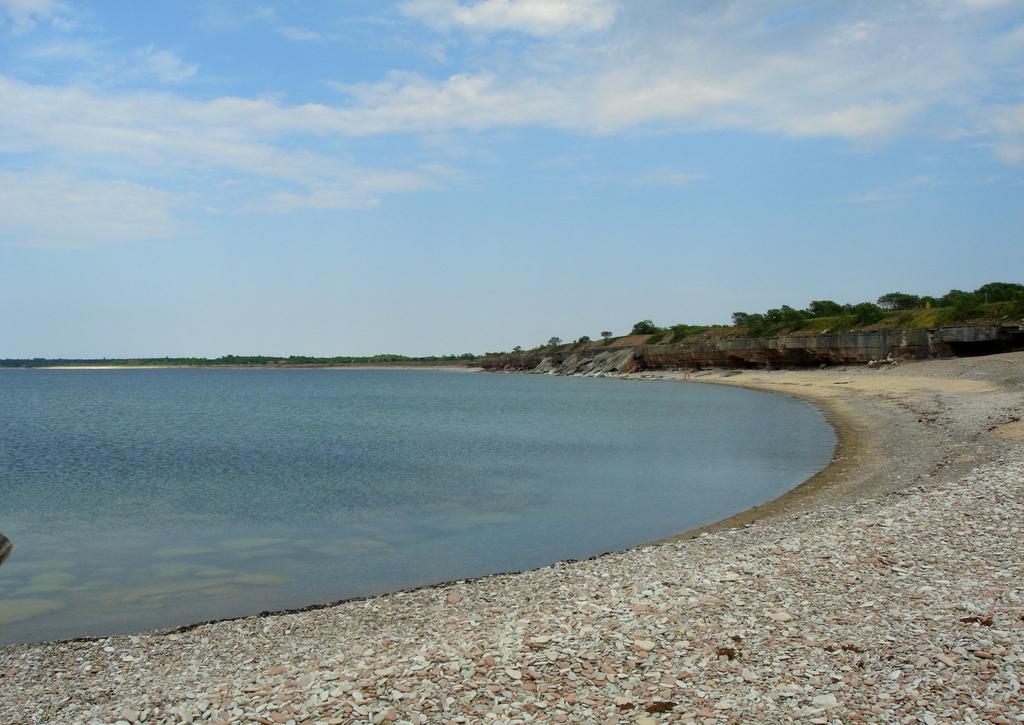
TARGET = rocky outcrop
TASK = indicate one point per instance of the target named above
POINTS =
(585, 362)
(797, 350)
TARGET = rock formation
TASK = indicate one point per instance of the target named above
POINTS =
(795, 350)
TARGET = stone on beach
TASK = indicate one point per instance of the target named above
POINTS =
(5, 548)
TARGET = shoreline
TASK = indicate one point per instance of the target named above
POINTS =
(353, 366)
(901, 433)
(865, 429)
(851, 443)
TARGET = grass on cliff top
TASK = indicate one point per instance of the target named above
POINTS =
(927, 319)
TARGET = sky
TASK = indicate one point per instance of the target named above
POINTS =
(447, 176)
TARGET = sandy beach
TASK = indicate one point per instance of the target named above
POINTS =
(888, 588)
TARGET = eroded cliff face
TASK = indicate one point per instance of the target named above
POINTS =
(783, 351)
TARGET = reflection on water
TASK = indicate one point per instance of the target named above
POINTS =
(156, 498)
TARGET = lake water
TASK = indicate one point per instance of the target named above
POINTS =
(154, 498)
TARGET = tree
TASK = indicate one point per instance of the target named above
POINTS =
(755, 323)
(791, 316)
(554, 342)
(965, 304)
(899, 301)
(582, 340)
(740, 319)
(517, 349)
(866, 313)
(824, 308)
(645, 327)
(999, 292)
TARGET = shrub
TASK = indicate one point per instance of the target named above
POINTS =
(866, 313)
(899, 301)
(824, 308)
(645, 327)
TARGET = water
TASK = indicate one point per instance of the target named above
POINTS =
(153, 498)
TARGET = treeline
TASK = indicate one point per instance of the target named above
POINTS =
(995, 300)
(992, 300)
(236, 361)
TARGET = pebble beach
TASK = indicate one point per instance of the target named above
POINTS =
(890, 588)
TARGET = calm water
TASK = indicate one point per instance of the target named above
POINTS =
(152, 498)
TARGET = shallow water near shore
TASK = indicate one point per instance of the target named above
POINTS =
(155, 498)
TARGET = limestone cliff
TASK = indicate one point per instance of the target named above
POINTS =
(798, 350)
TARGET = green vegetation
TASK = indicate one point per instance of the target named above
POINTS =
(645, 327)
(899, 301)
(680, 332)
(893, 310)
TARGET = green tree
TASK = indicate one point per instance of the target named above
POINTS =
(645, 327)
(583, 339)
(899, 301)
(517, 349)
(866, 313)
(740, 319)
(554, 342)
(824, 308)
(999, 292)
(965, 305)
(791, 316)
(757, 324)
(607, 334)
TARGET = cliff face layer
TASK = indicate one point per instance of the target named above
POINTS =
(782, 351)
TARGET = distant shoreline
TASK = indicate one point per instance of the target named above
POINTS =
(352, 366)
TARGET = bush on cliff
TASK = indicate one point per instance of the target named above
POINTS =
(645, 327)
(899, 301)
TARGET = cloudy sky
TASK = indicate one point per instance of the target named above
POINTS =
(435, 176)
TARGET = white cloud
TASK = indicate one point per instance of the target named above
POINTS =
(64, 50)
(676, 67)
(905, 189)
(666, 177)
(1007, 124)
(24, 15)
(534, 17)
(857, 73)
(174, 138)
(165, 65)
(300, 35)
(856, 121)
(223, 15)
(52, 208)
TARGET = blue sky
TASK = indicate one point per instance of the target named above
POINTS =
(443, 176)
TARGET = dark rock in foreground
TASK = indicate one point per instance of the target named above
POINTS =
(5, 547)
